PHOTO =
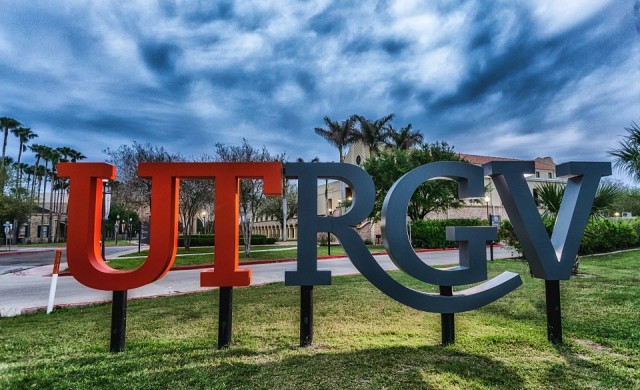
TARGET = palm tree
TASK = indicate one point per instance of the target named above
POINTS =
(75, 156)
(6, 124)
(20, 169)
(626, 157)
(51, 156)
(38, 150)
(24, 135)
(405, 138)
(372, 133)
(550, 197)
(338, 134)
(29, 171)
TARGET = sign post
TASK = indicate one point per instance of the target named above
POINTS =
(118, 321)
(54, 280)
(7, 229)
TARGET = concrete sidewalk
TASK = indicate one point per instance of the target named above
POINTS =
(29, 290)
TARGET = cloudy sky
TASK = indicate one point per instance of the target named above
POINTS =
(514, 79)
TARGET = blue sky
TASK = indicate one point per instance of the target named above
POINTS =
(513, 79)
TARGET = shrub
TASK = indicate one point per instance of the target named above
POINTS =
(604, 235)
(198, 240)
(209, 240)
(430, 233)
(600, 235)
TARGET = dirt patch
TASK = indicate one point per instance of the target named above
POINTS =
(595, 347)
(584, 276)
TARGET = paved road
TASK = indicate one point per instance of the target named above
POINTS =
(26, 258)
(26, 290)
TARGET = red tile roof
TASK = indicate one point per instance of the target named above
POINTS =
(479, 160)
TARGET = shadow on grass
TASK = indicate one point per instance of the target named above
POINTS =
(189, 365)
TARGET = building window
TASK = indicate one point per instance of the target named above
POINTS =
(43, 231)
(330, 205)
(550, 175)
(358, 160)
(536, 197)
(538, 174)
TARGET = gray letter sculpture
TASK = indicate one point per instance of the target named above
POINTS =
(473, 253)
(549, 259)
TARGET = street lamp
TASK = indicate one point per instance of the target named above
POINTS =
(105, 192)
(116, 226)
(204, 222)
(130, 219)
(487, 199)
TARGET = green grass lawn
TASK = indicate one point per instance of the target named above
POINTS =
(204, 255)
(362, 340)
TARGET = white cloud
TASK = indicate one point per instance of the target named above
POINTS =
(554, 17)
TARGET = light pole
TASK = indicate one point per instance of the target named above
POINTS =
(130, 219)
(105, 192)
(487, 199)
(116, 227)
(204, 222)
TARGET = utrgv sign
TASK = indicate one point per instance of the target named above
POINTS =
(549, 258)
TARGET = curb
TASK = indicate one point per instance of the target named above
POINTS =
(293, 259)
(19, 252)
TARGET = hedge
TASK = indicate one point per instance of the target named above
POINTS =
(601, 235)
(209, 240)
(430, 233)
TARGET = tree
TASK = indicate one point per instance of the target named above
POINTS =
(626, 157)
(372, 133)
(432, 196)
(49, 155)
(6, 124)
(251, 196)
(550, 198)
(405, 138)
(134, 191)
(194, 196)
(273, 206)
(120, 214)
(12, 209)
(24, 135)
(338, 134)
(629, 201)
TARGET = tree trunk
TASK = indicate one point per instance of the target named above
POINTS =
(246, 235)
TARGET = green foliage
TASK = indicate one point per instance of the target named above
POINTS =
(629, 200)
(338, 134)
(430, 233)
(119, 212)
(433, 196)
(363, 340)
(209, 240)
(12, 209)
(626, 157)
(550, 198)
(607, 195)
(272, 205)
(601, 235)
(198, 240)
(604, 235)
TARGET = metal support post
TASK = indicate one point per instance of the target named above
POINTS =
(447, 319)
(306, 315)
(225, 324)
(118, 321)
(554, 318)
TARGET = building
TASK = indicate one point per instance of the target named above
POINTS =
(333, 195)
